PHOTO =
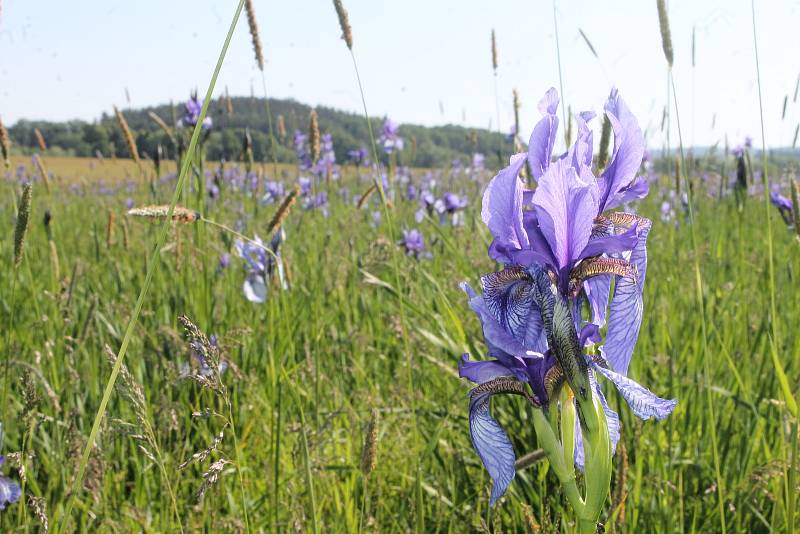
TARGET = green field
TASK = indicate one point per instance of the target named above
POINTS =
(313, 362)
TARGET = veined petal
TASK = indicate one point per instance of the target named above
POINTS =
(611, 244)
(580, 154)
(502, 345)
(644, 403)
(509, 295)
(566, 209)
(598, 289)
(502, 210)
(625, 311)
(480, 372)
(543, 138)
(627, 155)
(492, 445)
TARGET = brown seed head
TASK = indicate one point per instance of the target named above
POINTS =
(21, 228)
(494, 53)
(344, 23)
(40, 139)
(313, 135)
(5, 144)
(127, 135)
(253, 24)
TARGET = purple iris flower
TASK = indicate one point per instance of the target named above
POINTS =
(301, 151)
(9, 489)
(326, 165)
(561, 248)
(376, 219)
(450, 204)
(358, 156)
(390, 138)
(414, 244)
(260, 265)
(478, 162)
(191, 114)
(411, 192)
(274, 192)
(129, 203)
(305, 185)
(784, 206)
(426, 202)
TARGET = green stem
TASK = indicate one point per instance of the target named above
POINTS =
(152, 266)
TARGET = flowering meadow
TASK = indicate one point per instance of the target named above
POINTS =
(572, 333)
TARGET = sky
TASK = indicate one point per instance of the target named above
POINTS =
(421, 61)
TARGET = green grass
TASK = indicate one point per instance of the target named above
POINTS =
(322, 355)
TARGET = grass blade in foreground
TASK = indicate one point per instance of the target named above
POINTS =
(154, 261)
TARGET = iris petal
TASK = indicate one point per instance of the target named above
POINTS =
(481, 371)
(492, 445)
(543, 138)
(644, 403)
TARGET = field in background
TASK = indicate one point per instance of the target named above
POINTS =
(308, 367)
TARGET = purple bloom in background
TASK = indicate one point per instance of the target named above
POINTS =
(129, 203)
(390, 138)
(414, 244)
(358, 156)
(562, 248)
(274, 192)
(191, 114)
(260, 265)
(305, 185)
(426, 202)
(9, 489)
(376, 219)
(301, 151)
(450, 204)
(784, 206)
(326, 166)
(478, 162)
(224, 261)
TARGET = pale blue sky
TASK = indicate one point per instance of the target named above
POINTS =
(61, 60)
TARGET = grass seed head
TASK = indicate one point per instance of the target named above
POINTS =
(21, 228)
(313, 135)
(494, 52)
(253, 25)
(5, 144)
(666, 37)
(369, 453)
(283, 210)
(344, 23)
(40, 139)
(160, 212)
(127, 135)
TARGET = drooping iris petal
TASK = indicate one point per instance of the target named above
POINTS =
(255, 289)
(502, 211)
(481, 371)
(543, 138)
(639, 188)
(644, 403)
(590, 333)
(627, 155)
(509, 296)
(566, 210)
(625, 311)
(492, 445)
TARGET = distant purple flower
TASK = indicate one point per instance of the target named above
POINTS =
(411, 192)
(376, 219)
(784, 206)
(478, 162)
(274, 192)
(413, 243)
(260, 266)
(390, 138)
(738, 151)
(301, 151)
(9, 489)
(748, 142)
(358, 156)
(450, 204)
(667, 213)
(305, 185)
(224, 261)
(191, 115)
(326, 165)
(129, 203)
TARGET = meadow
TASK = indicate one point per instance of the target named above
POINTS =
(335, 405)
